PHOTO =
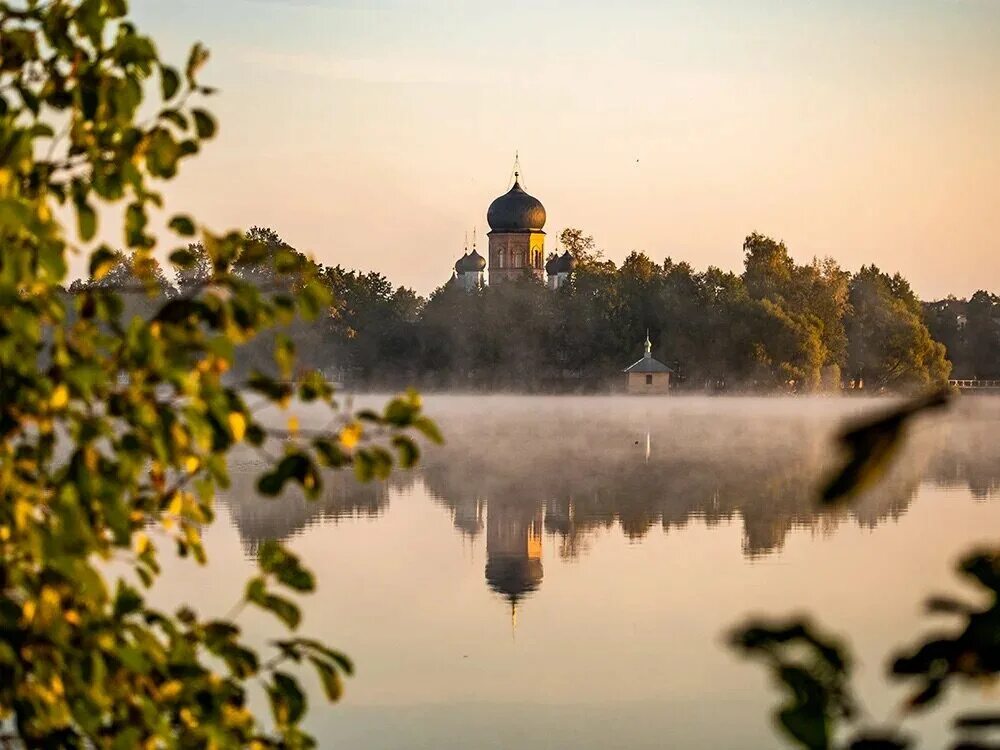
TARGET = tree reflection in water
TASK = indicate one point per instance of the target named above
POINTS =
(513, 468)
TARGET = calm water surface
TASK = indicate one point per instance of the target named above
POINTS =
(562, 572)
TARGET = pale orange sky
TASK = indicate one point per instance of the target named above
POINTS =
(375, 137)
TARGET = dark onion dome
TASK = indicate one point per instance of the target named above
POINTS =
(470, 263)
(516, 211)
(566, 263)
(474, 261)
(513, 577)
(557, 264)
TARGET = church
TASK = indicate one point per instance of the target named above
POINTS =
(516, 245)
(517, 251)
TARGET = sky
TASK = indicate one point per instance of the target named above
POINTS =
(375, 134)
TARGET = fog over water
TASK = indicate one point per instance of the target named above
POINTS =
(561, 571)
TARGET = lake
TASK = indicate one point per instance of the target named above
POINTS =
(561, 574)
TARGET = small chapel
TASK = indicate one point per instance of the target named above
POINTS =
(648, 375)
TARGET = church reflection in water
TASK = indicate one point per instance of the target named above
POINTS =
(563, 478)
(513, 551)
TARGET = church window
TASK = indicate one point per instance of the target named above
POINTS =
(649, 380)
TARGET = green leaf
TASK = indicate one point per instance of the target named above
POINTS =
(333, 686)
(135, 224)
(196, 59)
(182, 225)
(284, 355)
(429, 429)
(295, 466)
(182, 258)
(204, 123)
(133, 658)
(330, 453)
(176, 117)
(401, 412)
(871, 445)
(127, 600)
(241, 661)
(269, 387)
(977, 721)
(408, 451)
(278, 561)
(875, 741)
(170, 82)
(363, 466)
(288, 702)
(127, 739)
(313, 298)
(282, 608)
(102, 260)
(86, 218)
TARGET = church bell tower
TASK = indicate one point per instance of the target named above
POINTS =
(517, 242)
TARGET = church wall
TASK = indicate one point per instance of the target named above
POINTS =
(635, 383)
(471, 280)
(520, 251)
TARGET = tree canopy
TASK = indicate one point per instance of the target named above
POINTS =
(779, 325)
(119, 405)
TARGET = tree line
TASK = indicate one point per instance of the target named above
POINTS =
(776, 326)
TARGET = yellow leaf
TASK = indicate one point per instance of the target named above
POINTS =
(191, 463)
(171, 689)
(293, 425)
(22, 512)
(50, 597)
(60, 396)
(350, 435)
(237, 425)
(188, 718)
(141, 542)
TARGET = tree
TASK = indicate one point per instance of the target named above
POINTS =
(812, 299)
(970, 332)
(889, 344)
(139, 280)
(768, 267)
(93, 470)
(581, 246)
(982, 335)
(198, 270)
